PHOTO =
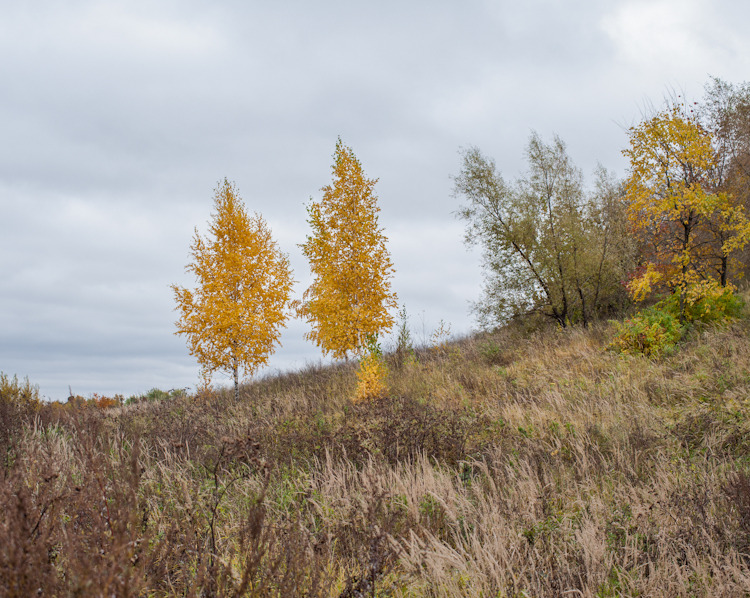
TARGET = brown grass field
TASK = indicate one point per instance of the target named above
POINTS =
(511, 464)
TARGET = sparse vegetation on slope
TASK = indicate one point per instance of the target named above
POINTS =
(507, 464)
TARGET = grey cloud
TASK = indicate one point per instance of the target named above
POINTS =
(119, 119)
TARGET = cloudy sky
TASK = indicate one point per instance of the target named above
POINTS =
(119, 118)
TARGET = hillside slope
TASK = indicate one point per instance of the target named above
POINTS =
(500, 465)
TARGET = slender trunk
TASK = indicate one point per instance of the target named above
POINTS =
(565, 316)
(551, 224)
(598, 287)
(526, 257)
(681, 290)
(235, 373)
(579, 286)
(682, 286)
(583, 306)
(724, 268)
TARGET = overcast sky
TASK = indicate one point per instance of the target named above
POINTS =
(118, 119)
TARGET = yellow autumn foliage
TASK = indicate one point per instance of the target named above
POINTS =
(350, 297)
(233, 318)
(688, 225)
(371, 378)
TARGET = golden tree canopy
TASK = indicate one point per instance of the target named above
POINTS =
(688, 225)
(350, 298)
(233, 318)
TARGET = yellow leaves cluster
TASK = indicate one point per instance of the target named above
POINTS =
(371, 378)
(642, 286)
(706, 294)
(687, 224)
(350, 297)
(669, 158)
(233, 319)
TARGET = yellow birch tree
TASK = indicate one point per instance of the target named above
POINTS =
(685, 222)
(233, 318)
(350, 298)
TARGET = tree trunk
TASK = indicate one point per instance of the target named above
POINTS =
(579, 286)
(582, 296)
(687, 228)
(681, 291)
(235, 373)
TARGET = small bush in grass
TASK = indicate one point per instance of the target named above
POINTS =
(706, 303)
(652, 332)
(492, 353)
(656, 330)
(404, 344)
(156, 394)
(105, 402)
(19, 403)
(372, 373)
(440, 338)
(18, 392)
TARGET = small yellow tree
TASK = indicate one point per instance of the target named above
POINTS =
(687, 225)
(350, 297)
(372, 374)
(233, 319)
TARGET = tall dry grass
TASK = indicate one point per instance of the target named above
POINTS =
(509, 464)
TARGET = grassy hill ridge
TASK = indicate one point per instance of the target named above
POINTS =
(506, 464)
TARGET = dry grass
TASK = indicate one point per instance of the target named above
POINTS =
(509, 465)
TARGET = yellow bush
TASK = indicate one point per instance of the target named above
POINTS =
(371, 377)
(19, 393)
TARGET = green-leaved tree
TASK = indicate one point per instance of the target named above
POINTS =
(548, 246)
